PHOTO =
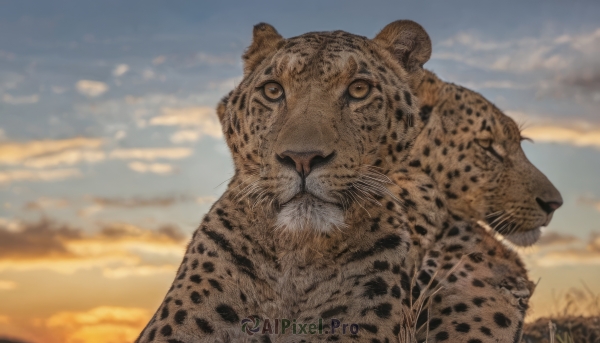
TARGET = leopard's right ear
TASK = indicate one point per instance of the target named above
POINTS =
(265, 41)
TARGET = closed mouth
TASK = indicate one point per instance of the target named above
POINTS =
(308, 196)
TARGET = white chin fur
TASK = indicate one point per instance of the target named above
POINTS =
(308, 212)
(524, 239)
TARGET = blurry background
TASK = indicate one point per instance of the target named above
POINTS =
(110, 151)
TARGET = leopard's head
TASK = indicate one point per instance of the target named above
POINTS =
(318, 120)
(474, 152)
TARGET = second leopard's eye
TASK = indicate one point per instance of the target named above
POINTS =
(484, 143)
(272, 91)
(359, 89)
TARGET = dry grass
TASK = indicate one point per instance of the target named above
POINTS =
(575, 314)
(408, 327)
(576, 302)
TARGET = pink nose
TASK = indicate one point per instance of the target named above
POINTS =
(549, 206)
(304, 161)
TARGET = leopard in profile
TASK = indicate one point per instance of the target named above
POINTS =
(471, 152)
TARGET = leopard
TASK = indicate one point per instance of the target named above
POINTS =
(311, 226)
(277, 239)
(477, 159)
(472, 153)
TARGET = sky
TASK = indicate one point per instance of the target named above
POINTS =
(111, 152)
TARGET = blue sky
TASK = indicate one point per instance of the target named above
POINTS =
(107, 125)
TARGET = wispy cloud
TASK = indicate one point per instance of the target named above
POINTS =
(556, 239)
(15, 153)
(44, 203)
(137, 202)
(67, 157)
(590, 201)
(565, 66)
(578, 133)
(15, 175)
(120, 70)
(151, 154)
(564, 135)
(154, 168)
(20, 100)
(91, 88)
(202, 119)
(568, 250)
(100, 324)
(116, 248)
(185, 136)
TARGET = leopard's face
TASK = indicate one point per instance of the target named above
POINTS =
(474, 152)
(315, 125)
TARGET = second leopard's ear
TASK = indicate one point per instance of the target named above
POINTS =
(409, 44)
(265, 41)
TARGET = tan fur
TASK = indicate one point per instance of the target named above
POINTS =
(477, 289)
(499, 186)
(251, 257)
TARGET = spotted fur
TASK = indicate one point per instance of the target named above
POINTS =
(476, 289)
(252, 257)
(473, 152)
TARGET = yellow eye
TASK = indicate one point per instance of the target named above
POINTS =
(485, 143)
(273, 91)
(359, 89)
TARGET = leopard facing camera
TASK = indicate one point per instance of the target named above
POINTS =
(306, 123)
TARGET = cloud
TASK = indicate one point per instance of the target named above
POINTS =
(67, 157)
(15, 175)
(159, 60)
(138, 202)
(151, 154)
(185, 136)
(120, 70)
(590, 201)
(203, 119)
(91, 88)
(44, 203)
(588, 254)
(556, 239)
(565, 66)
(15, 153)
(20, 100)
(523, 54)
(148, 74)
(501, 84)
(118, 249)
(564, 135)
(155, 168)
(103, 324)
(6, 285)
(206, 199)
(102, 203)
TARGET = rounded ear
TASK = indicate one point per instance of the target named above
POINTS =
(408, 42)
(265, 40)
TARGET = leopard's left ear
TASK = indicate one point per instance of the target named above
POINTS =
(409, 44)
(265, 41)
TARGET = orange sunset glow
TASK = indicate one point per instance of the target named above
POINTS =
(111, 151)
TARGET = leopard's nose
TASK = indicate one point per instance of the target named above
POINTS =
(304, 161)
(549, 206)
